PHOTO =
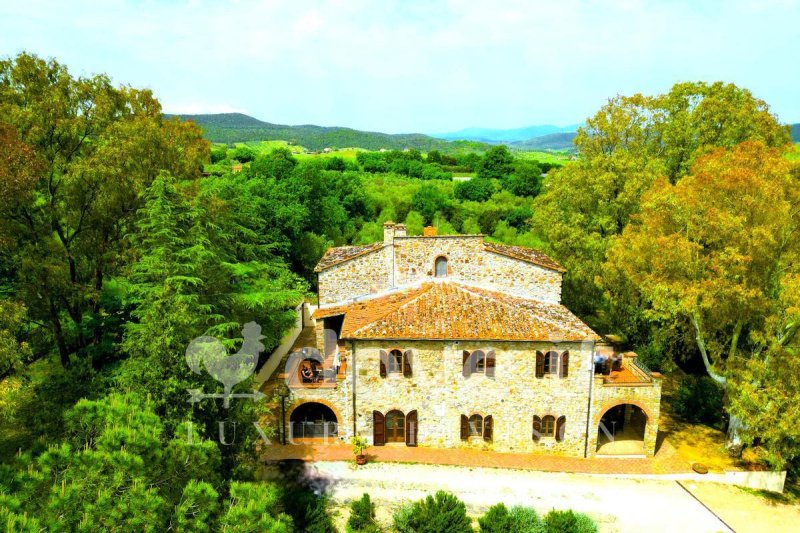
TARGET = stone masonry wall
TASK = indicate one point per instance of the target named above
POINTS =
(468, 261)
(441, 394)
(366, 274)
(411, 260)
(647, 397)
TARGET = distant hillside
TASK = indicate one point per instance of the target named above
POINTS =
(506, 136)
(554, 141)
(237, 127)
(796, 133)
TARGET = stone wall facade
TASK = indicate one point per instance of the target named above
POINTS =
(440, 394)
(366, 274)
(409, 260)
(469, 262)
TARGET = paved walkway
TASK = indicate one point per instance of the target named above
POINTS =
(617, 504)
(666, 460)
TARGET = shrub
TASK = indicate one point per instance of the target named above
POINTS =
(526, 520)
(568, 522)
(699, 399)
(442, 513)
(362, 516)
(498, 519)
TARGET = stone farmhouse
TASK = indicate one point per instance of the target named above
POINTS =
(453, 341)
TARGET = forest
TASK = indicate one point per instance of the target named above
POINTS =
(125, 234)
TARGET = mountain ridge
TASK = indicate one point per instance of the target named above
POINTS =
(238, 127)
(506, 135)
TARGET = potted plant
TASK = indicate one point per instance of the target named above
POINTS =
(359, 444)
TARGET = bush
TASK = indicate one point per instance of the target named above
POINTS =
(526, 520)
(442, 513)
(568, 522)
(498, 519)
(699, 399)
(362, 516)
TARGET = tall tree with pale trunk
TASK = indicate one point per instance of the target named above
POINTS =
(719, 249)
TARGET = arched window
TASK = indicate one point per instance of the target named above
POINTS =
(548, 426)
(480, 361)
(395, 426)
(441, 267)
(476, 426)
(396, 361)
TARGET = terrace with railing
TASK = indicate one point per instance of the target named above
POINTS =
(624, 370)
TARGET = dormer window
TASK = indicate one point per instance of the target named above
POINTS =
(441, 267)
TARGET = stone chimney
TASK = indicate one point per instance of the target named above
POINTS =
(388, 232)
(429, 231)
(400, 230)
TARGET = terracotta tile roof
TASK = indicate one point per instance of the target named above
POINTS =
(448, 310)
(340, 254)
(524, 254)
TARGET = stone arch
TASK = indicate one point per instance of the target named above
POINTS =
(303, 430)
(297, 403)
(610, 404)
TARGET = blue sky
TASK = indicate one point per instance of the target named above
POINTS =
(416, 66)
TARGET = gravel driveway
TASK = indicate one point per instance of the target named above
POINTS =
(618, 504)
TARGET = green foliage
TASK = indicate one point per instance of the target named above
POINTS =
(568, 522)
(497, 163)
(441, 513)
(278, 164)
(526, 179)
(218, 153)
(81, 197)
(252, 508)
(428, 201)
(699, 399)
(115, 470)
(362, 516)
(475, 189)
(498, 519)
(415, 222)
(242, 154)
(14, 351)
(197, 509)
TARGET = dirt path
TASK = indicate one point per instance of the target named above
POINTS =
(618, 505)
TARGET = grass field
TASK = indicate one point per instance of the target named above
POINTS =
(795, 155)
(546, 157)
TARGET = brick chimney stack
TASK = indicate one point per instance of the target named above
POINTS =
(429, 231)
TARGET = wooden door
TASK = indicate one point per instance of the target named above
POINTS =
(378, 429)
(395, 426)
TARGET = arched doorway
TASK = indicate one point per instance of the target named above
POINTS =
(313, 420)
(395, 426)
(621, 430)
